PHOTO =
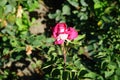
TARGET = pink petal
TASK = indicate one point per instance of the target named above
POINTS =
(72, 33)
(58, 29)
(59, 41)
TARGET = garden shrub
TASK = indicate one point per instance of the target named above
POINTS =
(92, 55)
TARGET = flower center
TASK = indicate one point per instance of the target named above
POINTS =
(61, 30)
(63, 36)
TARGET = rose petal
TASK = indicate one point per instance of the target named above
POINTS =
(72, 33)
(58, 29)
(60, 41)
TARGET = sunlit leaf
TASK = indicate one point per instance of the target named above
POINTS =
(80, 37)
(83, 3)
(109, 73)
(8, 9)
(74, 3)
(6, 51)
(1, 12)
(14, 42)
(11, 18)
(13, 3)
(90, 75)
(77, 63)
(97, 5)
(3, 2)
(66, 10)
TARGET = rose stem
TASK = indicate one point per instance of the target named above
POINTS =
(64, 59)
(64, 55)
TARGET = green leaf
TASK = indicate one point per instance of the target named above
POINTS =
(21, 26)
(106, 18)
(90, 75)
(112, 65)
(74, 3)
(83, 9)
(77, 40)
(59, 51)
(52, 16)
(98, 4)
(13, 3)
(18, 57)
(118, 71)
(1, 12)
(11, 18)
(50, 40)
(6, 51)
(117, 46)
(4, 38)
(3, 2)
(14, 42)
(66, 10)
(32, 5)
(109, 73)
(51, 49)
(81, 50)
(58, 15)
(80, 37)
(39, 63)
(8, 9)
(90, 47)
(77, 63)
(83, 16)
(19, 22)
(109, 9)
(83, 3)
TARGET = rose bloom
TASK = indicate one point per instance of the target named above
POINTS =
(62, 33)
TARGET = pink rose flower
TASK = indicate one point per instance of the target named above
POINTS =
(62, 33)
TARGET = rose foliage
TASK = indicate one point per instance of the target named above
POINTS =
(82, 44)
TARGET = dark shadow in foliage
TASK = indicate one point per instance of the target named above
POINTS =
(53, 6)
(38, 56)
(34, 14)
(91, 64)
(23, 65)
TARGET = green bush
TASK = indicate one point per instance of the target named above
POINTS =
(93, 55)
